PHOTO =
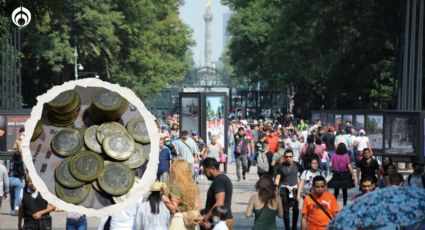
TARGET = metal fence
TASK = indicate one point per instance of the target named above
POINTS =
(10, 71)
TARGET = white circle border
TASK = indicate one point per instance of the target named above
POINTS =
(149, 175)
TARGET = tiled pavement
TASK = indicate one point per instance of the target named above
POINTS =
(241, 194)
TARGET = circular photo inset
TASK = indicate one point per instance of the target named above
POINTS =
(92, 147)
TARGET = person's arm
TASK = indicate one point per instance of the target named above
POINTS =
(20, 217)
(5, 184)
(350, 169)
(172, 204)
(299, 188)
(43, 212)
(279, 207)
(357, 172)
(277, 180)
(248, 212)
(304, 225)
(206, 152)
(219, 201)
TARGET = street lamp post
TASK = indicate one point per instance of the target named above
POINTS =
(76, 63)
(78, 66)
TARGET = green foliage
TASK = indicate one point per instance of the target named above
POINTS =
(338, 54)
(139, 44)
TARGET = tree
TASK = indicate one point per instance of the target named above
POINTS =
(338, 54)
(139, 44)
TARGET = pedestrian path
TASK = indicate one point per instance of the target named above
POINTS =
(242, 191)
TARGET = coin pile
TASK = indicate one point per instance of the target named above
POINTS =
(107, 105)
(64, 109)
(101, 157)
(37, 130)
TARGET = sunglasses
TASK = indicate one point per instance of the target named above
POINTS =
(288, 156)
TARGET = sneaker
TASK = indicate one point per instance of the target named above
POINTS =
(239, 179)
(13, 213)
(244, 177)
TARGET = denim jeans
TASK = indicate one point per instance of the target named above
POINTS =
(76, 224)
(241, 160)
(15, 186)
(162, 176)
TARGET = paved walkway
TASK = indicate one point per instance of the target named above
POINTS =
(242, 191)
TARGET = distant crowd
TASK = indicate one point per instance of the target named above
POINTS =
(295, 162)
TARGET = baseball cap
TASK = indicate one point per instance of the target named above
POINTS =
(157, 186)
(194, 133)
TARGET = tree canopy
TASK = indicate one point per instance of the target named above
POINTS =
(141, 44)
(337, 54)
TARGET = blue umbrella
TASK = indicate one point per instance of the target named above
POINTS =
(383, 207)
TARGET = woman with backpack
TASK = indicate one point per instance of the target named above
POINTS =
(305, 184)
(310, 151)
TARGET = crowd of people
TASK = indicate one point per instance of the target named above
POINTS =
(295, 162)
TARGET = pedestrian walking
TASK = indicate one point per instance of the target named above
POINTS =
(362, 142)
(266, 204)
(387, 161)
(310, 151)
(4, 183)
(164, 162)
(17, 174)
(264, 161)
(319, 207)
(219, 193)
(214, 149)
(367, 166)
(18, 142)
(367, 184)
(305, 183)
(417, 178)
(242, 150)
(34, 210)
(149, 213)
(287, 181)
(343, 175)
(184, 196)
(186, 148)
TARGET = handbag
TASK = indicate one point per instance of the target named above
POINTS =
(191, 218)
(222, 155)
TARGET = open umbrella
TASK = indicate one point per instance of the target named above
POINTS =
(383, 207)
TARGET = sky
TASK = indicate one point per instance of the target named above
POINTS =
(192, 13)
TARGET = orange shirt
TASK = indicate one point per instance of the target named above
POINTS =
(273, 142)
(316, 218)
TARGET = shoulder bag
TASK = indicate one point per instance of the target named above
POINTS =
(320, 206)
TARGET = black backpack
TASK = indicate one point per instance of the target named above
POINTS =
(309, 155)
(410, 178)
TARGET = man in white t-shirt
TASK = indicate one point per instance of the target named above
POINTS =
(362, 142)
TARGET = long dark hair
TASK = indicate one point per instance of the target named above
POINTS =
(266, 189)
(17, 165)
(154, 201)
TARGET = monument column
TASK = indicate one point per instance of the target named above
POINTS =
(208, 43)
